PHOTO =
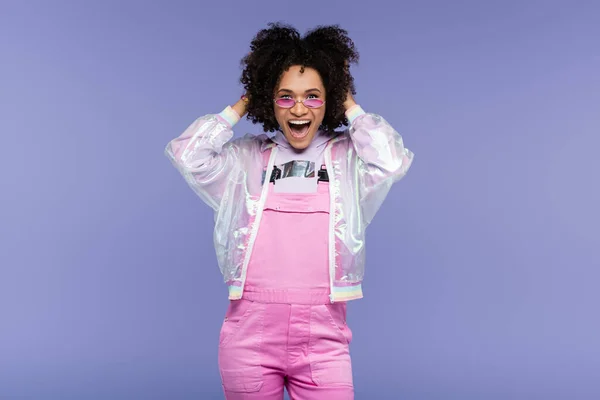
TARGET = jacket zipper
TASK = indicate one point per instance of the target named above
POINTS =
(331, 176)
(259, 212)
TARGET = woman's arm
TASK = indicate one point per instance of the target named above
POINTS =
(204, 154)
(382, 157)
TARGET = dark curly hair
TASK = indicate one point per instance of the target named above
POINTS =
(327, 49)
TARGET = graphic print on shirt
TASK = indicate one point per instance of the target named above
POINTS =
(290, 169)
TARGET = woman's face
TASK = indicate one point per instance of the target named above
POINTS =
(299, 124)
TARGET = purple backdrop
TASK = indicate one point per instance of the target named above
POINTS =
(482, 275)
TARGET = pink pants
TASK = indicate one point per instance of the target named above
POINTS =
(284, 332)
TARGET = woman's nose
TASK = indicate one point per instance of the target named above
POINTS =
(299, 108)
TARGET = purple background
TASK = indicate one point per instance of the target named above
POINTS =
(482, 276)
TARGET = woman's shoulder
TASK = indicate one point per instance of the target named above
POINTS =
(253, 142)
(253, 139)
(340, 137)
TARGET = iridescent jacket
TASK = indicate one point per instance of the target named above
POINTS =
(362, 163)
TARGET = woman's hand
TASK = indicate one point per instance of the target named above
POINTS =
(349, 102)
(240, 106)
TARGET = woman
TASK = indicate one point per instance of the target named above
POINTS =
(291, 211)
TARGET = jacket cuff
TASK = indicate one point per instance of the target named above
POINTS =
(354, 112)
(229, 116)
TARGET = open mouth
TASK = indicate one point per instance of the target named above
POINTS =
(299, 129)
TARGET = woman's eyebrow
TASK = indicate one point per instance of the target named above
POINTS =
(291, 91)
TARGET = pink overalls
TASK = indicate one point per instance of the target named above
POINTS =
(284, 331)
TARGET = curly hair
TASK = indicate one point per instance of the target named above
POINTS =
(327, 49)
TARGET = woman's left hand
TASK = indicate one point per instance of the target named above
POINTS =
(349, 102)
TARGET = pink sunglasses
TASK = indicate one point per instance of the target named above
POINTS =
(309, 103)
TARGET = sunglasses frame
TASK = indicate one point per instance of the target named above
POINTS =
(296, 102)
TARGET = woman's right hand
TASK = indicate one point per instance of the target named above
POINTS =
(240, 106)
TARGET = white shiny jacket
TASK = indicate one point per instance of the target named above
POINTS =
(363, 162)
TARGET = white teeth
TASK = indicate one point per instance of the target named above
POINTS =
(299, 122)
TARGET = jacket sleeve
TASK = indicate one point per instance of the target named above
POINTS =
(205, 156)
(382, 158)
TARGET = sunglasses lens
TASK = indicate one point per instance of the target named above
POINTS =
(285, 103)
(313, 103)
